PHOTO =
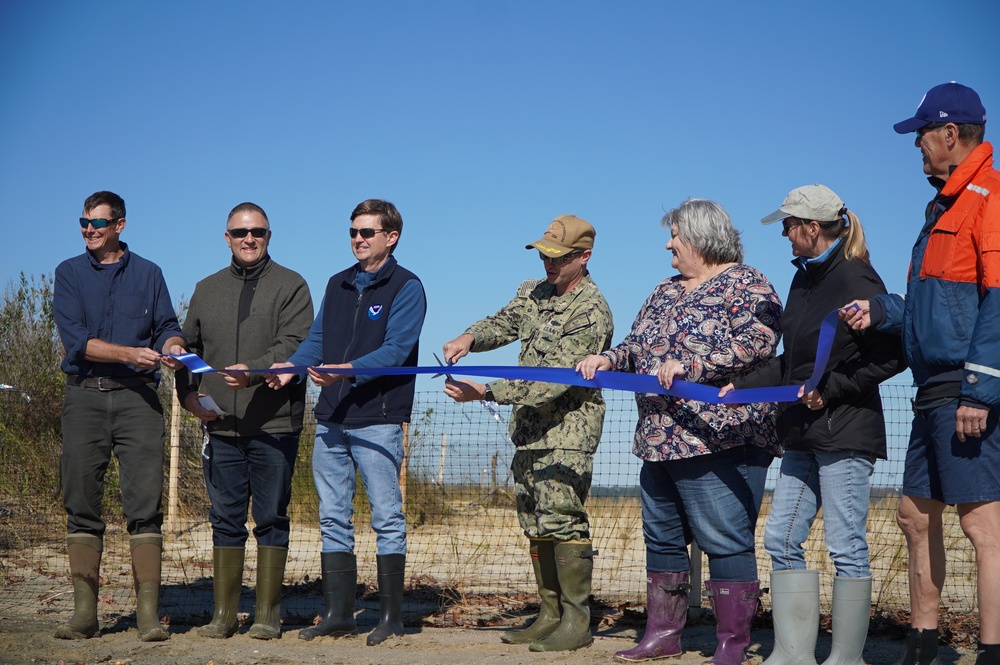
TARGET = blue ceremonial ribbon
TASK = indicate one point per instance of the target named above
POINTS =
(627, 381)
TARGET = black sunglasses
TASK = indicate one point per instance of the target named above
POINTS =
(789, 223)
(96, 223)
(367, 234)
(256, 232)
(930, 127)
(559, 260)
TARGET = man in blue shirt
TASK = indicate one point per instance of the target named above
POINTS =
(371, 316)
(116, 322)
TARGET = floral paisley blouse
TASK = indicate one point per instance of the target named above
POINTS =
(720, 330)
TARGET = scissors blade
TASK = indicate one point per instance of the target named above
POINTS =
(449, 376)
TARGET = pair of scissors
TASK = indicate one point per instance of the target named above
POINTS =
(444, 374)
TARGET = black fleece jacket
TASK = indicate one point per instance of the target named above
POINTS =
(851, 418)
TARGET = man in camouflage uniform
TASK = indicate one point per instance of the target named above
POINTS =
(556, 428)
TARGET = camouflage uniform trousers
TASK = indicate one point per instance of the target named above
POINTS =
(551, 487)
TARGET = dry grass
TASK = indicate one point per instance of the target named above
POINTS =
(478, 548)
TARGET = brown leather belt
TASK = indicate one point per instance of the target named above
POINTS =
(105, 383)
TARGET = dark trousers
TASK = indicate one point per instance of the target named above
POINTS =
(97, 424)
(240, 468)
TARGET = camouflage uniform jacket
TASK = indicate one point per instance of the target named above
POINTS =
(556, 332)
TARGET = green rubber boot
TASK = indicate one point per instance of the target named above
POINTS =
(795, 610)
(84, 564)
(575, 566)
(147, 549)
(227, 586)
(270, 573)
(543, 559)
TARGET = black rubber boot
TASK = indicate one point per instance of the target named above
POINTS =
(340, 580)
(921, 648)
(988, 654)
(391, 571)
(227, 586)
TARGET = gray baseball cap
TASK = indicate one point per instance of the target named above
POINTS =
(812, 202)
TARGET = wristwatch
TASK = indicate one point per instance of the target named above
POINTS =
(488, 395)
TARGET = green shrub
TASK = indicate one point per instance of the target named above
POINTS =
(30, 412)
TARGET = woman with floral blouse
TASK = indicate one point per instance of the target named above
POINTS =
(704, 465)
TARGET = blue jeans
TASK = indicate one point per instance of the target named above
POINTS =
(714, 500)
(376, 452)
(240, 467)
(840, 483)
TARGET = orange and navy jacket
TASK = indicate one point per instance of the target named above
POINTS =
(950, 318)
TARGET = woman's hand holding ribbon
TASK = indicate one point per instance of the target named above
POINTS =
(668, 371)
(589, 366)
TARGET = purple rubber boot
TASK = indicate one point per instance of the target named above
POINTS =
(666, 614)
(734, 604)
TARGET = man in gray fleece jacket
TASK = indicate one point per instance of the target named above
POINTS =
(248, 315)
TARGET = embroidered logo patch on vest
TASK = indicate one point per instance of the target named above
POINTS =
(375, 311)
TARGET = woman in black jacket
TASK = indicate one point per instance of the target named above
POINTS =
(832, 436)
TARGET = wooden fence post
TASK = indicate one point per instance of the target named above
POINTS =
(175, 463)
(402, 468)
(444, 448)
(694, 596)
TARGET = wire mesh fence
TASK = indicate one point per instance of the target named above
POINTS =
(464, 539)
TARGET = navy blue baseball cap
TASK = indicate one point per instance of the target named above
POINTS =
(948, 102)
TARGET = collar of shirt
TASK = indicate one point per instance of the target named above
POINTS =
(123, 261)
(362, 279)
(802, 261)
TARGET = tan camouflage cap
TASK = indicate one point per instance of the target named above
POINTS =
(566, 233)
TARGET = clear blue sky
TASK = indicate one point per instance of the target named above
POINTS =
(481, 121)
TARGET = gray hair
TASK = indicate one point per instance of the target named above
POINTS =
(706, 226)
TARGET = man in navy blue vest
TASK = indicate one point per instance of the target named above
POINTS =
(371, 316)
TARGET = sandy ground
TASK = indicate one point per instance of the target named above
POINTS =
(31, 642)
(478, 551)
(466, 585)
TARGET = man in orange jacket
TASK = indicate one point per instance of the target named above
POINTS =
(949, 322)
